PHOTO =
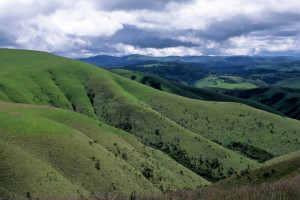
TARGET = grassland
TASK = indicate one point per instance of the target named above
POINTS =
(88, 158)
(124, 137)
(276, 179)
(228, 82)
(188, 91)
(284, 100)
(176, 72)
(289, 83)
(275, 170)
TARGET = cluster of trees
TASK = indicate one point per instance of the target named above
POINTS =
(250, 151)
(210, 169)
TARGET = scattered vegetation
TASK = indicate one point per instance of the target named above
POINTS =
(250, 151)
(78, 130)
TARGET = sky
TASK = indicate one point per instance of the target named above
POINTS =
(85, 28)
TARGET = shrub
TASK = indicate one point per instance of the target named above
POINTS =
(97, 165)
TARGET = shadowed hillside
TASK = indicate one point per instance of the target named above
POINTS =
(186, 90)
(284, 100)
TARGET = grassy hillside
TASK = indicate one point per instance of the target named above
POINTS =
(176, 72)
(284, 100)
(288, 156)
(186, 90)
(228, 82)
(69, 154)
(289, 83)
(224, 123)
(283, 167)
(87, 153)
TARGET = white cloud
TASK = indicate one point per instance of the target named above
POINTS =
(66, 25)
(255, 45)
(124, 49)
(80, 20)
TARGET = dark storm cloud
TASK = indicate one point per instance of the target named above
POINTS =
(145, 38)
(6, 40)
(138, 4)
(270, 24)
(159, 27)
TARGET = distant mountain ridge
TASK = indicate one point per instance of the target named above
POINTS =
(260, 71)
(203, 61)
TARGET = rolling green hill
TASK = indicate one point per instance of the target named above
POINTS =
(186, 90)
(289, 83)
(83, 152)
(281, 168)
(49, 151)
(228, 82)
(176, 72)
(284, 100)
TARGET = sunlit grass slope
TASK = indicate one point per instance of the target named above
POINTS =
(186, 90)
(97, 93)
(281, 168)
(228, 82)
(199, 135)
(60, 153)
(224, 122)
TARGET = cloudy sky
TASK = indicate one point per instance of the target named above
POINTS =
(85, 28)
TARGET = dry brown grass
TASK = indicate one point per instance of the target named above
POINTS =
(281, 190)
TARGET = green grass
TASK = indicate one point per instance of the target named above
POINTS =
(228, 82)
(188, 91)
(286, 168)
(66, 164)
(284, 100)
(226, 122)
(289, 83)
(284, 157)
(177, 72)
(103, 147)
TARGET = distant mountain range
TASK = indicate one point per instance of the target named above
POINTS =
(200, 61)
(233, 72)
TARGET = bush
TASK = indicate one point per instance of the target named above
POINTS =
(250, 151)
(97, 165)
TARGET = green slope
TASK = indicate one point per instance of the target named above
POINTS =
(289, 83)
(228, 82)
(284, 100)
(186, 90)
(97, 93)
(180, 127)
(226, 122)
(177, 72)
(52, 162)
(277, 169)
